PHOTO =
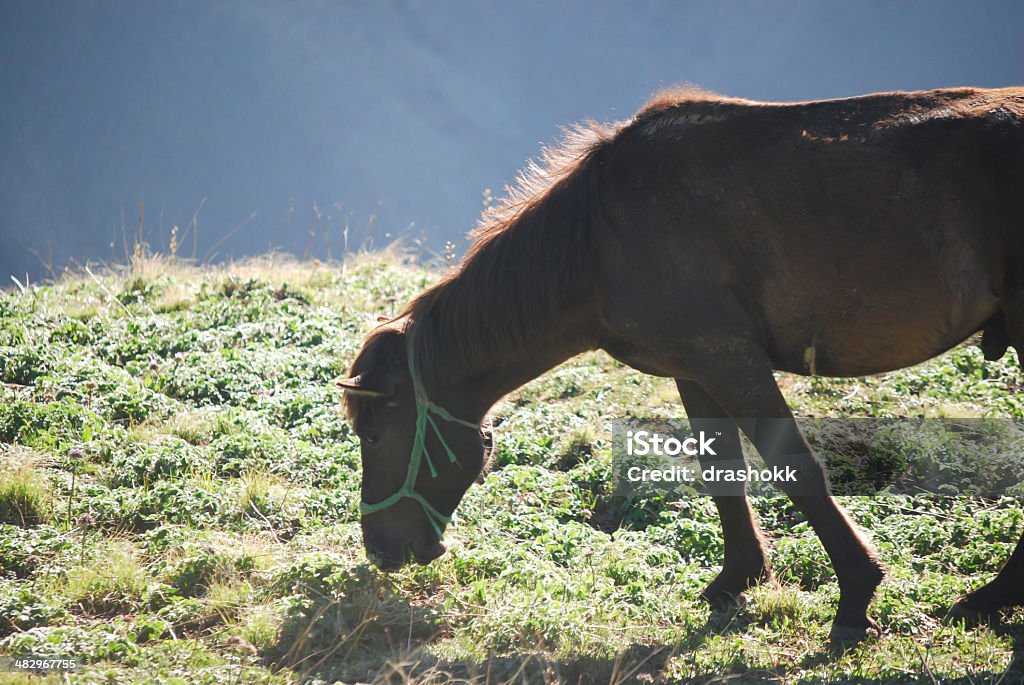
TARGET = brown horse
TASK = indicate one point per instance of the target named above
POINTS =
(712, 240)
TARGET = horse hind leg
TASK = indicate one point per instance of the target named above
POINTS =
(745, 562)
(1007, 588)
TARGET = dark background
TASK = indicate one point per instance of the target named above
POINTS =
(277, 124)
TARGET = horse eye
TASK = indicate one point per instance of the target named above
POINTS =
(369, 439)
(391, 404)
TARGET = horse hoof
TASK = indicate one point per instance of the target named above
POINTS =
(842, 638)
(962, 613)
(721, 600)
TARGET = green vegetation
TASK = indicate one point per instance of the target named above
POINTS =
(179, 503)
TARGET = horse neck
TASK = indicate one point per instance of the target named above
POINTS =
(523, 301)
(476, 388)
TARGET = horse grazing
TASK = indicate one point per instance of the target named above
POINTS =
(712, 240)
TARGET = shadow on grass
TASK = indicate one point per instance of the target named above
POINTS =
(1015, 631)
(357, 628)
(349, 625)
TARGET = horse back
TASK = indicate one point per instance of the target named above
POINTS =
(838, 226)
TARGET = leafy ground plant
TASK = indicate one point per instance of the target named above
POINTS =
(179, 503)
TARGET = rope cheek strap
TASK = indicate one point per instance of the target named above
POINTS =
(419, 454)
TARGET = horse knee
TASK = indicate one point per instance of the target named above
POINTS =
(794, 468)
(801, 475)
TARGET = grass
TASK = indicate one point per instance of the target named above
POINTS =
(179, 503)
(25, 497)
(113, 582)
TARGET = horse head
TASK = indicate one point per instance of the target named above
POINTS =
(418, 459)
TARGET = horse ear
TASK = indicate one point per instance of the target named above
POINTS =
(367, 384)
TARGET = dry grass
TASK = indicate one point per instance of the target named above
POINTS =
(25, 496)
(113, 581)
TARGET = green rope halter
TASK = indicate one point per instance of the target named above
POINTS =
(424, 409)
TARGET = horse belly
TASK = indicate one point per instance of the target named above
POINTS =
(876, 292)
(862, 331)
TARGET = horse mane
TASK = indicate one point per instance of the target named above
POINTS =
(527, 252)
(681, 94)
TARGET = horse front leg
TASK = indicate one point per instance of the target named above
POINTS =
(738, 375)
(745, 562)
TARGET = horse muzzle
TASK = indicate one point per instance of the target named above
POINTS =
(392, 560)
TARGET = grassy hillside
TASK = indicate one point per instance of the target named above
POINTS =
(178, 503)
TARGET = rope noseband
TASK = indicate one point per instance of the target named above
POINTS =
(424, 410)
